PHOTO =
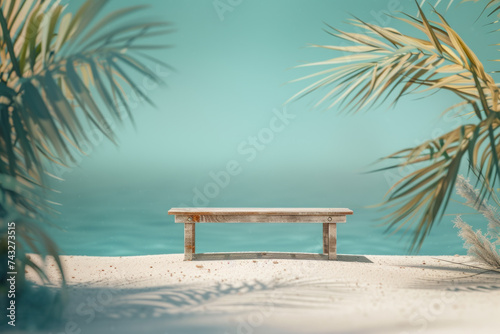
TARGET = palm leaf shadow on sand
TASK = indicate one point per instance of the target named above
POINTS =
(94, 305)
(461, 276)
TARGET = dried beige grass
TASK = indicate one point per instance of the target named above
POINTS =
(483, 247)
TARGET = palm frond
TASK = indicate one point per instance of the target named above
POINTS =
(375, 67)
(47, 58)
(382, 64)
(54, 51)
(436, 3)
(62, 76)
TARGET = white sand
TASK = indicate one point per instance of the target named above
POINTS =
(357, 294)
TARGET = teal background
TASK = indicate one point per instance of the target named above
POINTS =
(230, 75)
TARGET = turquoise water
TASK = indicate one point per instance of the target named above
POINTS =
(134, 222)
(227, 88)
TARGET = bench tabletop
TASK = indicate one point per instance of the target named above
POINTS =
(262, 211)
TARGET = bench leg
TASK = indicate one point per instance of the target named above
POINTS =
(189, 241)
(332, 241)
(325, 238)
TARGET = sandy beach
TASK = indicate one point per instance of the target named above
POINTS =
(279, 293)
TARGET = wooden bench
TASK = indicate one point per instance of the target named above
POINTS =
(327, 216)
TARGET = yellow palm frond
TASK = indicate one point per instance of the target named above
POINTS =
(382, 64)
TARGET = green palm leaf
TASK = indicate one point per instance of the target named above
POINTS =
(62, 75)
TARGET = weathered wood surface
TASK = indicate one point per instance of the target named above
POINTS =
(257, 219)
(328, 216)
(262, 211)
(332, 241)
(189, 241)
